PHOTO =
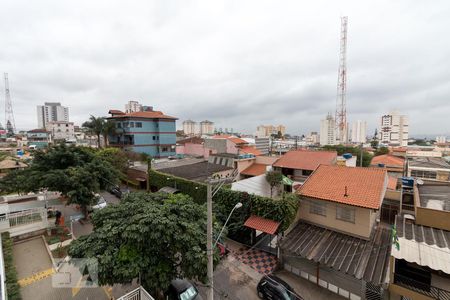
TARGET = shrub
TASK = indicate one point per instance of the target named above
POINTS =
(12, 287)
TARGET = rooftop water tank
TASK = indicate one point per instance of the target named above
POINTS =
(347, 155)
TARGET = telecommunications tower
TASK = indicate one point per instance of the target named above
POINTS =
(9, 116)
(341, 109)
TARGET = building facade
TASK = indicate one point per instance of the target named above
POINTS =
(441, 139)
(51, 111)
(206, 127)
(61, 130)
(133, 106)
(394, 129)
(150, 132)
(190, 127)
(38, 138)
(268, 130)
(359, 132)
(327, 131)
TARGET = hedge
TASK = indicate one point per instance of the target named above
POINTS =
(281, 210)
(12, 287)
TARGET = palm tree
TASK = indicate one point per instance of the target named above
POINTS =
(95, 125)
(109, 128)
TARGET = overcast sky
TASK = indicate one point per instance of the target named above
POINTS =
(237, 63)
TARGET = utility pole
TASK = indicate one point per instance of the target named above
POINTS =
(209, 238)
(361, 160)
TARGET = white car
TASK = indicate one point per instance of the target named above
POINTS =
(101, 203)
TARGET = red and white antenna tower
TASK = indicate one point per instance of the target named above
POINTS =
(9, 116)
(341, 109)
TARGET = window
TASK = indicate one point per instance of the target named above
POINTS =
(165, 149)
(346, 214)
(138, 124)
(154, 138)
(125, 124)
(119, 125)
(318, 208)
(423, 174)
(132, 124)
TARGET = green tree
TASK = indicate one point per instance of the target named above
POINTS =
(274, 179)
(381, 151)
(95, 125)
(374, 144)
(76, 172)
(116, 157)
(356, 151)
(109, 128)
(155, 237)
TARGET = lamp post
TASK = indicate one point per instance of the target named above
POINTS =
(209, 245)
(238, 205)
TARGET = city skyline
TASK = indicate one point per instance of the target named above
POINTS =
(211, 68)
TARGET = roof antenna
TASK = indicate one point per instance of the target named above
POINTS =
(345, 195)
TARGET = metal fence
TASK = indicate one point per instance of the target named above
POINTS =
(137, 294)
(26, 217)
(421, 287)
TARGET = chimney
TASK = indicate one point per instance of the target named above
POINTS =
(345, 194)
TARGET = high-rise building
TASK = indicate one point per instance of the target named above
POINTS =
(394, 129)
(51, 111)
(133, 106)
(206, 127)
(441, 139)
(190, 127)
(327, 131)
(268, 130)
(359, 132)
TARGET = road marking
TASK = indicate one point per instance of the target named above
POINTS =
(108, 291)
(77, 288)
(36, 277)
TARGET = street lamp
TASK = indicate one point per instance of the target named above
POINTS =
(238, 205)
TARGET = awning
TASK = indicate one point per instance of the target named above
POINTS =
(287, 181)
(261, 224)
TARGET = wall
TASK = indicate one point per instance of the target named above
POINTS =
(266, 160)
(364, 218)
(219, 145)
(433, 218)
(301, 267)
(195, 150)
(243, 164)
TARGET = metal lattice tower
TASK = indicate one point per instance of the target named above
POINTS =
(341, 109)
(9, 115)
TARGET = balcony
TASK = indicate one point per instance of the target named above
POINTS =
(421, 288)
(138, 294)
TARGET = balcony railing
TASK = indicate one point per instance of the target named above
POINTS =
(422, 288)
(137, 294)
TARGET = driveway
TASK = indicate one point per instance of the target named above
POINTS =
(232, 282)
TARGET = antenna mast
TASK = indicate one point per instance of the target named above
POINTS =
(9, 116)
(341, 110)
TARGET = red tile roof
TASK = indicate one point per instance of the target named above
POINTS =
(115, 112)
(306, 159)
(356, 186)
(250, 150)
(237, 141)
(261, 224)
(191, 140)
(388, 160)
(392, 183)
(144, 114)
(255, 170)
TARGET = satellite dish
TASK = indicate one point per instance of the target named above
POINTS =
(419, 181)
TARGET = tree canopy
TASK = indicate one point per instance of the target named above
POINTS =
(274, 179)
(356, 151)
(158, 237)
(76, 172)
(381, 151)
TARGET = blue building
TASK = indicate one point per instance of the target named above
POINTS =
(150, 132)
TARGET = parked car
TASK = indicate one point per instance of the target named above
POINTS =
(101, 203)
(274, 288)
(181, 289)
(115, 190)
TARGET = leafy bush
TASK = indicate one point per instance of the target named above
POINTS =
(12, 287)
(281, 210)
